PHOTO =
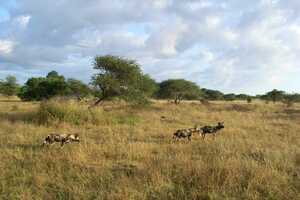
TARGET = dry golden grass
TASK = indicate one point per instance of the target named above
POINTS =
(127, 152)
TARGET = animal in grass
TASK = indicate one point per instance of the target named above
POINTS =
(184, 133)
(60, 138)
(211, 129)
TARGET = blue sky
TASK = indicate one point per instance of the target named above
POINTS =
(229, 45)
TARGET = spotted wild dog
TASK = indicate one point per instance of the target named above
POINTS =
(211, 129)
(184, 133)
(62, 138)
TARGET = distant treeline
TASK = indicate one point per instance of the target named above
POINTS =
(122, 78)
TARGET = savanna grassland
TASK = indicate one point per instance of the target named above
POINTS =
(127, 152)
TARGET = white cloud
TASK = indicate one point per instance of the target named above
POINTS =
(22, 21)
(232, 45)
(6, 47)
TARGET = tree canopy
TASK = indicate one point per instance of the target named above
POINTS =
(274, 95)
(78, 89)
(53, 84)
(9, 86)
(229, 97)
(212, 94)
(122, 78)
(178, 89)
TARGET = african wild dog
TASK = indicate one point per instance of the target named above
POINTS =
(211, 129)
(184, 133)
(62, 138)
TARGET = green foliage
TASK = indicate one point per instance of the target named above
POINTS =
(121, 78)
(178, 89)
(149, 86)
(9, 87)
(36, 89)
(293, 97)
(242, 96)
(78, 88)
(229, 97)
(212, 94)
(54, 74)
(290, 99)
(249, 99)
(274, 95)
(32, 89)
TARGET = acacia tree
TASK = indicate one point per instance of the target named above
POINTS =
(9, 87)
(122, 78)
(178, 89)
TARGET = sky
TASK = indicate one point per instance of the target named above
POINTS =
(229, 45)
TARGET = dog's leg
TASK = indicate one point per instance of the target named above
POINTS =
(174, 138)
(203, 136)
(44, 144)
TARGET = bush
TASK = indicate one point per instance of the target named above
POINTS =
(249, 100)
(59, 110)
(53, 111)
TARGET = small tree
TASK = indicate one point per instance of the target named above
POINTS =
(179, 89)
(212, 94)
(249, 100)
(274, 95)
(9, 87)
(120, 77)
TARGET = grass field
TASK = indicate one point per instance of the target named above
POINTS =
(127, 152)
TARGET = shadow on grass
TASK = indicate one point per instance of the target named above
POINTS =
(10, 101)
(287, 114)
(24, 147)
(17, 117)
(291, 111)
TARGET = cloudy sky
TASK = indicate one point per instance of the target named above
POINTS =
(230, 45)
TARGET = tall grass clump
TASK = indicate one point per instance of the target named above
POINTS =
(64, 111)
(57, 111)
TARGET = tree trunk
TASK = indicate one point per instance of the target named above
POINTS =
(97, 102)
(177, 99)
